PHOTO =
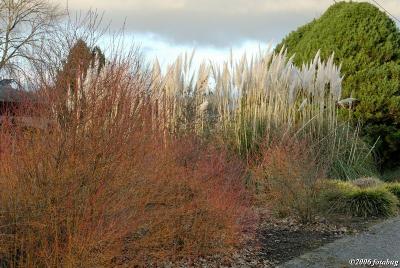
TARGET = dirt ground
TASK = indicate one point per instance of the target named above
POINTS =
(284, 239)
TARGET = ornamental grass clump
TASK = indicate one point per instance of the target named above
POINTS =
(249, 101)
(366, 42)
(251, 98)
(377, 202)
(345, 198)
(394, 188)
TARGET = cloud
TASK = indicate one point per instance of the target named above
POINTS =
(221, 6)
(167, 53)
(219, 23)
(213, 29)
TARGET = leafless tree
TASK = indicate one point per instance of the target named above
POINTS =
(24, 27)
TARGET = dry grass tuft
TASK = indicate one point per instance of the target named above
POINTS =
(368, 182)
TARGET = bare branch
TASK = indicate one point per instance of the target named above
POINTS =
(24, 26)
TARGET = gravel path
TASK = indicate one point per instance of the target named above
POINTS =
(382, 242)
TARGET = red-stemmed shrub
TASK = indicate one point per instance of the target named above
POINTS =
(99, 186)
(289, 173)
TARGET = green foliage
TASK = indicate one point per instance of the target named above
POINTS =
(345, 198)
(394, 188)
(367, 44)
(392, 175)
(353, 157)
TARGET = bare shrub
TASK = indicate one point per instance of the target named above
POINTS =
(61, 186)
(193, 204)
(99, 187)
(290, 173)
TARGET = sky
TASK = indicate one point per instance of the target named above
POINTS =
(167, 28)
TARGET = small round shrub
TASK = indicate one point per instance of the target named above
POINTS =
(394, 188)
(332, 194)
(345, 198)
(375, 202)
(367, 182)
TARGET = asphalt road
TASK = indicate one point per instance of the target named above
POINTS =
(381, 243)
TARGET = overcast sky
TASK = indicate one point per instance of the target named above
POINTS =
(165, 28)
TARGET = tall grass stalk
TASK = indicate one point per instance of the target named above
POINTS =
(259, 98)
